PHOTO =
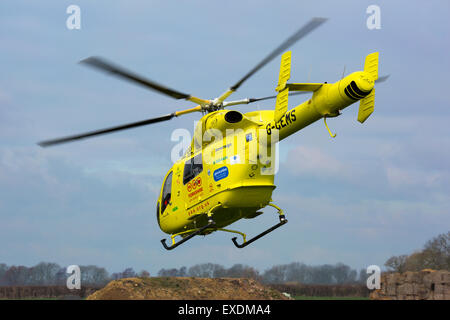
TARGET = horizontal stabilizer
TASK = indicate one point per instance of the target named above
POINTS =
(371, 65)
(303, 86)
(366, 106)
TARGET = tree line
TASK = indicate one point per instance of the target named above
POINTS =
(47, 274)
(434, 255)
(293, 272)
(52, 274)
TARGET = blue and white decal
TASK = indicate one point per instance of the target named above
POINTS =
(235, 159)
(220, 173)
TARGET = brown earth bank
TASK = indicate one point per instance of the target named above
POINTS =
(423, 285)
(186, 288)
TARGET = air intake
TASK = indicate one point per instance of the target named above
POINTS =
(233, 117)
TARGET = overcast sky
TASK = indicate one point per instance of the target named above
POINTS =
(376, 190)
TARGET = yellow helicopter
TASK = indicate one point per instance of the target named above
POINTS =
(228, 171)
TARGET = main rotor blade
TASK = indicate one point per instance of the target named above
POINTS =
(48, 143)
(120, 72)
(302, 32)
(251, 100)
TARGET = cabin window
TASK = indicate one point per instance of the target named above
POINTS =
(167, 192)
(192, 168)
(157, 212)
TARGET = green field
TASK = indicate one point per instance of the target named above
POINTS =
(330, 298)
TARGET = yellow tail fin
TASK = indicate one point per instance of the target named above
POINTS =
(285, 71)
(371, 65)
(367, 105)
(281, 105)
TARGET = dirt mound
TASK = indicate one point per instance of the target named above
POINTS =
(184, 288)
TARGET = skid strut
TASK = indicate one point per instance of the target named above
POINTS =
(282, 221)
(211, 225)
(199, 231)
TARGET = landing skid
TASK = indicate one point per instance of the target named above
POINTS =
(246, 243)
(212, 225)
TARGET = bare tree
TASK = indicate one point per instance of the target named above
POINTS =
(17, 275)
(144, 274)
(168, 272)
(397, 263)
(344, 274)
(435, 255)
(242, 271)
(3, 269)
(44, 273)
(206, 270)
(129, 273)
(276, 274)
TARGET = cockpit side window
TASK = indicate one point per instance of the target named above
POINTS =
(192, 168)
(167, 192)
(157, 213)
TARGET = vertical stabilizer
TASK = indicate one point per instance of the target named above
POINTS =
(281, 105)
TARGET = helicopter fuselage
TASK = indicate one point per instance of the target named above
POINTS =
(228, 171)
(231, 163)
